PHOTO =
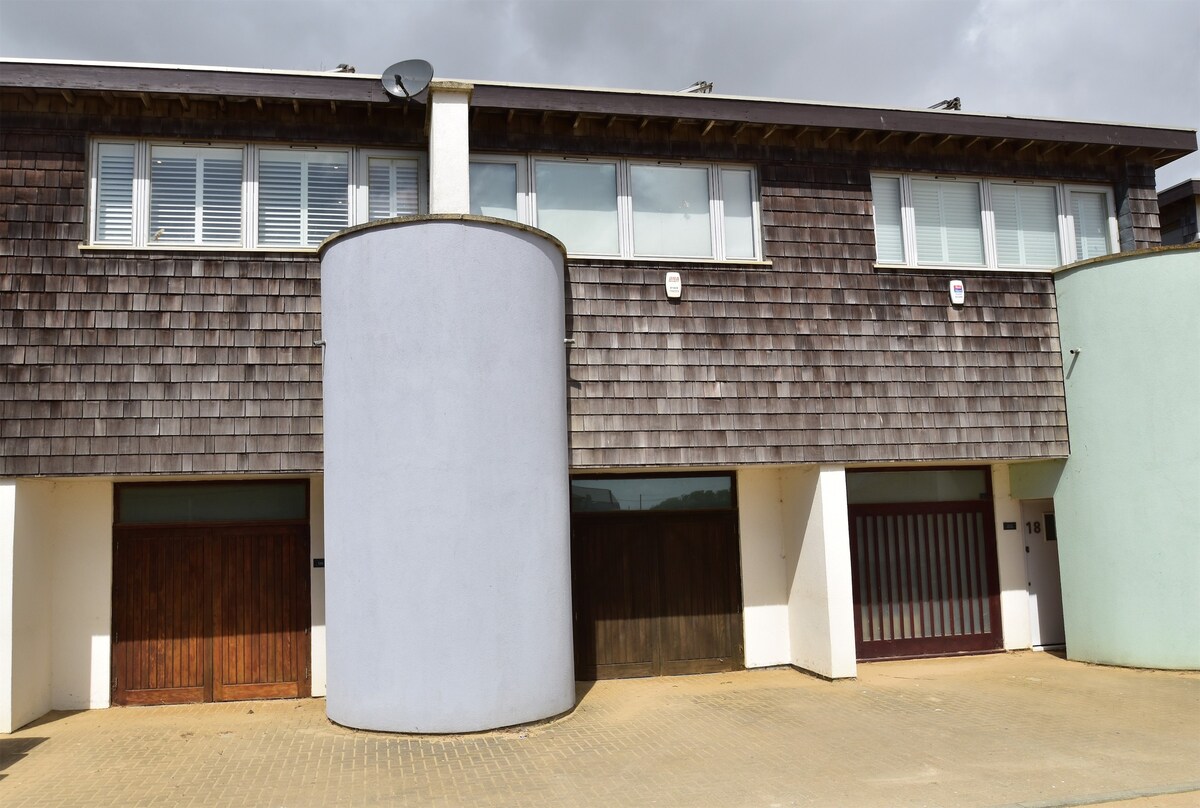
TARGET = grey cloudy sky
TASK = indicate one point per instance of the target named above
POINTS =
(1135, 61)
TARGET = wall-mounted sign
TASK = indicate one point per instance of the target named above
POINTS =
(674, 285)
(958, 292)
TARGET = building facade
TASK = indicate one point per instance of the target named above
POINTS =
(804, 346)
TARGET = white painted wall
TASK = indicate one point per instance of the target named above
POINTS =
(79, 539)
(449, 148)
(764, 577)
(24, 604)
(316, 521)
(817, 549)
(1010, 556)
(8, 527)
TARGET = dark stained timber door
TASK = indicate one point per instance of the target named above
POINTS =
(925, 579)
(655, 593)
(210, 613)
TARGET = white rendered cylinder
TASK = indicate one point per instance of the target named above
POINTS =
(447, 522)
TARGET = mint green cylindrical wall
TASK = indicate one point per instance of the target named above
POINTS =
(1128, 502)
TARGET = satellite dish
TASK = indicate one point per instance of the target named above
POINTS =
(407, 79)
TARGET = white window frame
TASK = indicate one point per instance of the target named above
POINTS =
(521, 164)
(1065, 223)
(527, 201)
(1068, 215)
(360, 179)
(357, 189)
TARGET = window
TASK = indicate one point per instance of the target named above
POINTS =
(1002, 224)
(578, 203)
(393, 187)
(625, 208)
(195, 195)
(498, 188)
(238, 195)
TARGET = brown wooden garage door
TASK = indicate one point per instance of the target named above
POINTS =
(210, 612)
(655, 593)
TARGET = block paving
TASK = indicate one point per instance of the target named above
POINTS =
(1027, 729)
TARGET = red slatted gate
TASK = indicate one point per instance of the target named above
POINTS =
(925, 579)
(210, 613)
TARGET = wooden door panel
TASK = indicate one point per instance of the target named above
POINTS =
(655, 593)
(210, 613)
(260, 613)
(700, 608)
(613, 577)
(159, 618)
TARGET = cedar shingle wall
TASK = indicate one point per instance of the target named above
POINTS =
(817, 358)
(177, 362)
(142, 363)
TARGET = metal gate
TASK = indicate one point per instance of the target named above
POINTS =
(925, 579)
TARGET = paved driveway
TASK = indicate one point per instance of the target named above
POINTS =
(1010, 729)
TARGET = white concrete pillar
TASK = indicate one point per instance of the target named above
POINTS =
(449, 147)
(821, 598)
(1010, 559)
(764, 576)
(24, 605)
(8, 518)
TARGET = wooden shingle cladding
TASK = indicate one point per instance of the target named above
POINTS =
(176, 362)
(128, 362)
(818, 358)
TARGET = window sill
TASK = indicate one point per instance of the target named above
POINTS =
(196, 248)
(958, 270)
(730, 262)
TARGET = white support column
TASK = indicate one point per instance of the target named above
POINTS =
(1010, 560)
(820, 600)
(764, 578)
(449, 147)
(8, 518)
(24, 604)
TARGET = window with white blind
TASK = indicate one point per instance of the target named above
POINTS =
(172, 195)
(393, 187)
(1089, 212)
(113, 194)
(303, 196)
(609, 207)
(195, 195)
(924, 221)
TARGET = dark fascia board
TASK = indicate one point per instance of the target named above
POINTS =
(1184, 190)
(826, 116)
(356, 87)
(192, 81)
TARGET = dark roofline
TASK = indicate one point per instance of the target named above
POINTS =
(799, 113)
(1185, 189)
(297, 86)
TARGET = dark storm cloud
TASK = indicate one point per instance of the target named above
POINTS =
(1118, 60)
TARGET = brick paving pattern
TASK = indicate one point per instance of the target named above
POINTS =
(1023, 729)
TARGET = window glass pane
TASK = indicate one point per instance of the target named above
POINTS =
(195, 195)
(392, 187)
(889, 238)
(671, 211)
(114, 193)
(737, 196)
(949, 228)
(577, 202)
(302, 197)
(1026, 225)
(150, 504)
(1090, 211)
(652, 493)
(950, 485)
(494, 190)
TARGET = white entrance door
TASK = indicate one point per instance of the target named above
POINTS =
(1041, 569)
